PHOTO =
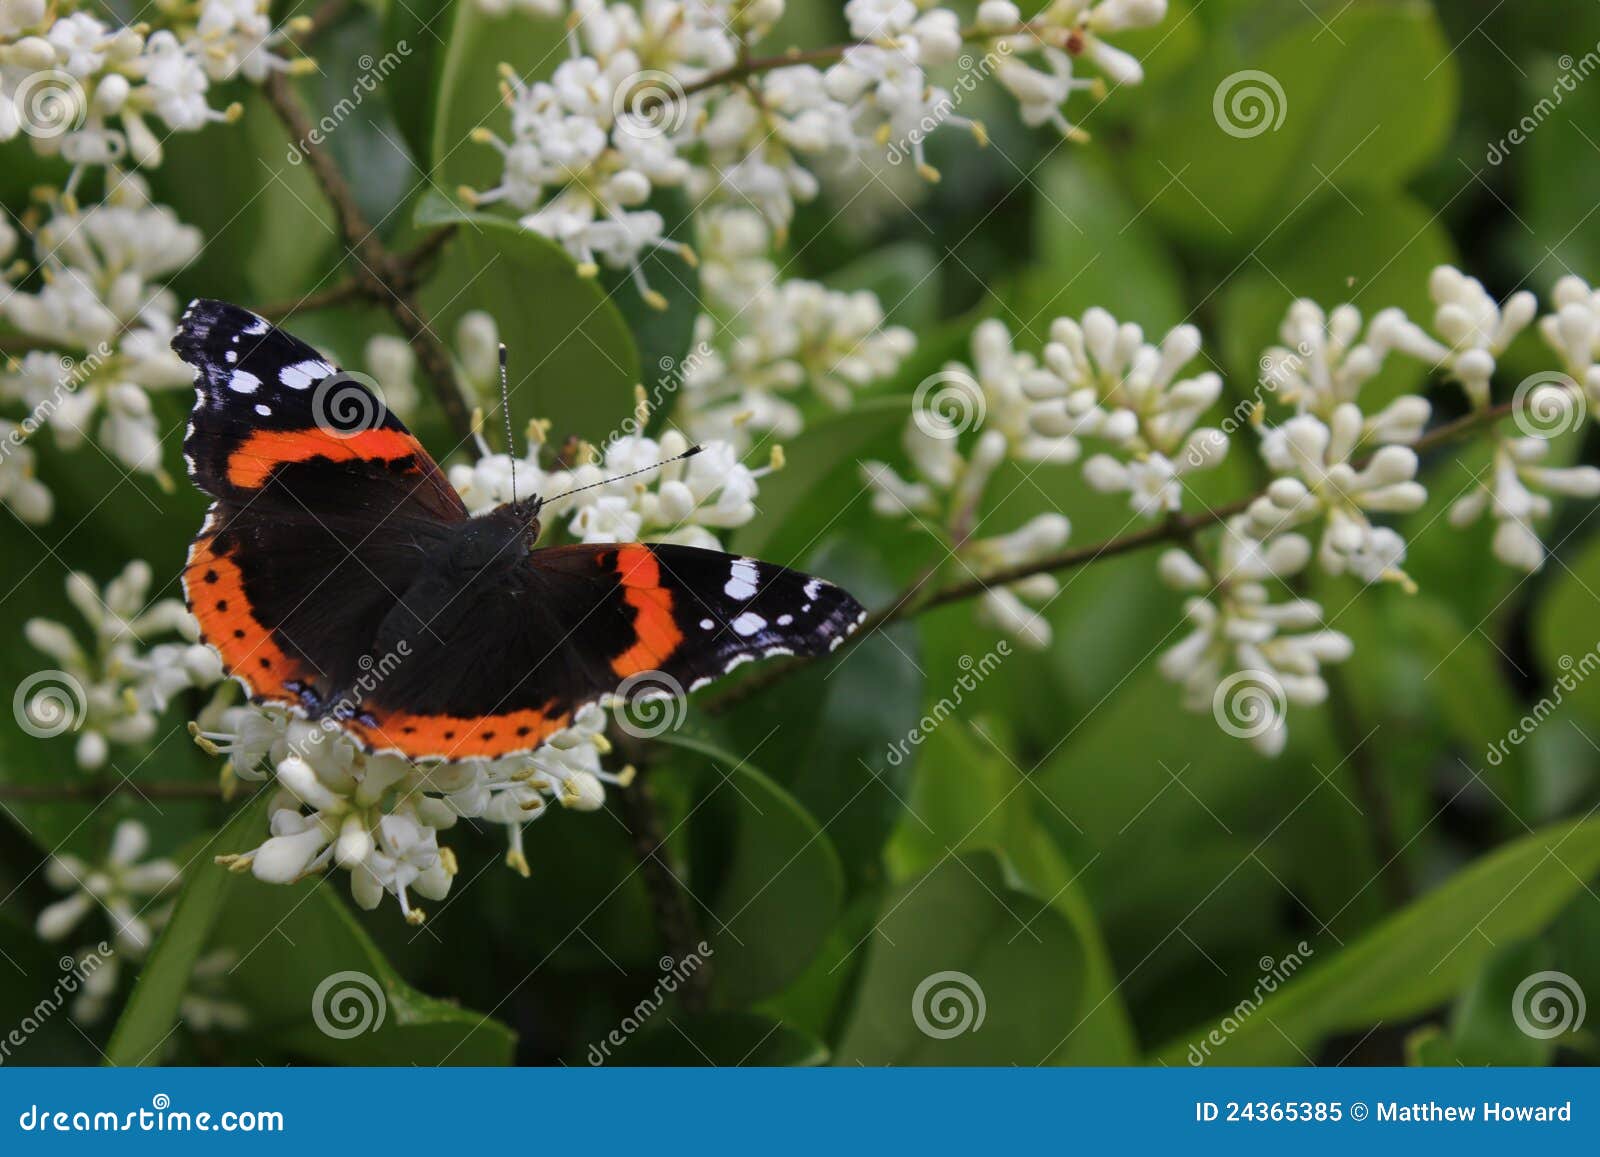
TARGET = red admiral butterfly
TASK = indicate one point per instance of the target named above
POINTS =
(334, 547)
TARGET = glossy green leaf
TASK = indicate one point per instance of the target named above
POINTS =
(1360, 99)
(572, 359)
(964, 967)
(769, 876)
(1415, 960)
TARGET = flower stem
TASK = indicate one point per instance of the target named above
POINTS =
(380, 272)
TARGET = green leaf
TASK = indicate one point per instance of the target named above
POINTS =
(469, 87)
(572, 359)
(1362, 99)
(968, 795)
(415, 30)
(772, 879)
(1566, 640)
(720, 1040)
(1373, 250)
(1486, 1029)
(964, 967)
(834, 721)
(311, 977)
(1417, 958)
(269, 232)
(1093, 247)
(306, 972)
(152, 1009)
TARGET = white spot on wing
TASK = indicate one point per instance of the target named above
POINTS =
(263, 409)
(230, 356)
(813, 588)
(748, 624)
(300, 377)
(741, 584)
(243, 382)
(259, 326)
(785, 620)
(706, 624)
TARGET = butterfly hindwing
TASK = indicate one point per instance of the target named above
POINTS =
(506, 664)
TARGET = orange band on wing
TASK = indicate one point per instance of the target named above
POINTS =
(656, 629)
(264, 450)
(214, 586)
(458, 737)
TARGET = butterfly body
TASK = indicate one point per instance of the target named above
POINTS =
(340, 576)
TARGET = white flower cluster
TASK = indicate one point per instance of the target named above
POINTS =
(87, 91)
(378, 817)
(762, 341)
(1335, 467)
(113, 690)
(101, 323)
(131, 895)
(641, 105)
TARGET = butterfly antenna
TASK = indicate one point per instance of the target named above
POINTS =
(689, 453)
(505, 412)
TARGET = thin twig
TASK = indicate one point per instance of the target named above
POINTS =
(909, 603)
(379, 271)
(410, 269)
